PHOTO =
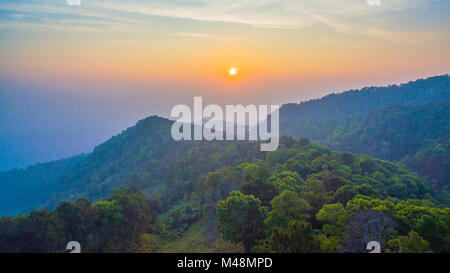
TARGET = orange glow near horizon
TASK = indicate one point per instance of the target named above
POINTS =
(210, 62)
(264, 49)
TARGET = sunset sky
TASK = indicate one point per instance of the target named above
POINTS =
(94, 69)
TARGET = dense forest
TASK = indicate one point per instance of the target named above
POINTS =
(365, 100)
(409, 123)
(141, 191)
(300, 198)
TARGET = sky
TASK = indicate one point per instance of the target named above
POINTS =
(71, 76)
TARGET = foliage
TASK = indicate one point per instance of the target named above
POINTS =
(297, 237)
(111, 225)
(207, 196)
(412, 243)
(241, 218)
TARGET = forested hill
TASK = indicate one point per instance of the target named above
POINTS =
(20, 187)
(142, 155)
(145, 154)
(409, 123)
(141, 149)
(299, 198)
(390, 133)
(201, 196)
(365, 100)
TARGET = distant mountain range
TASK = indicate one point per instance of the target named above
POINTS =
(408, 123)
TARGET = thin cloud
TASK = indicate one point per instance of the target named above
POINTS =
(403, 37)
(18, 15)
(207, 36)
(343, 16)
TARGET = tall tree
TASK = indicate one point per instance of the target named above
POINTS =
(240, 218)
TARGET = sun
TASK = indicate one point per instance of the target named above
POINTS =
(232, 71)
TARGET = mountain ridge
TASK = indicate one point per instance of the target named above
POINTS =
(143, 154)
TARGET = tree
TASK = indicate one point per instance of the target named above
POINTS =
(110, 220)
(240, 218)
(314, 192)
(297, 237)
(48, 231)
(334, 216)
(334, 181)
(287, 207)
(345, 194)
(287, 180)
(135, 209)
(364, 227)
(264, 191)
(434, 231)
(413, 243)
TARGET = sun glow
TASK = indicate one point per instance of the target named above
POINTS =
(232, 71)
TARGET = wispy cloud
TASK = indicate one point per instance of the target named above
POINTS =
(403, 37)
(18, 16)
(344, 16)
(207, 36)
(263, 13)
